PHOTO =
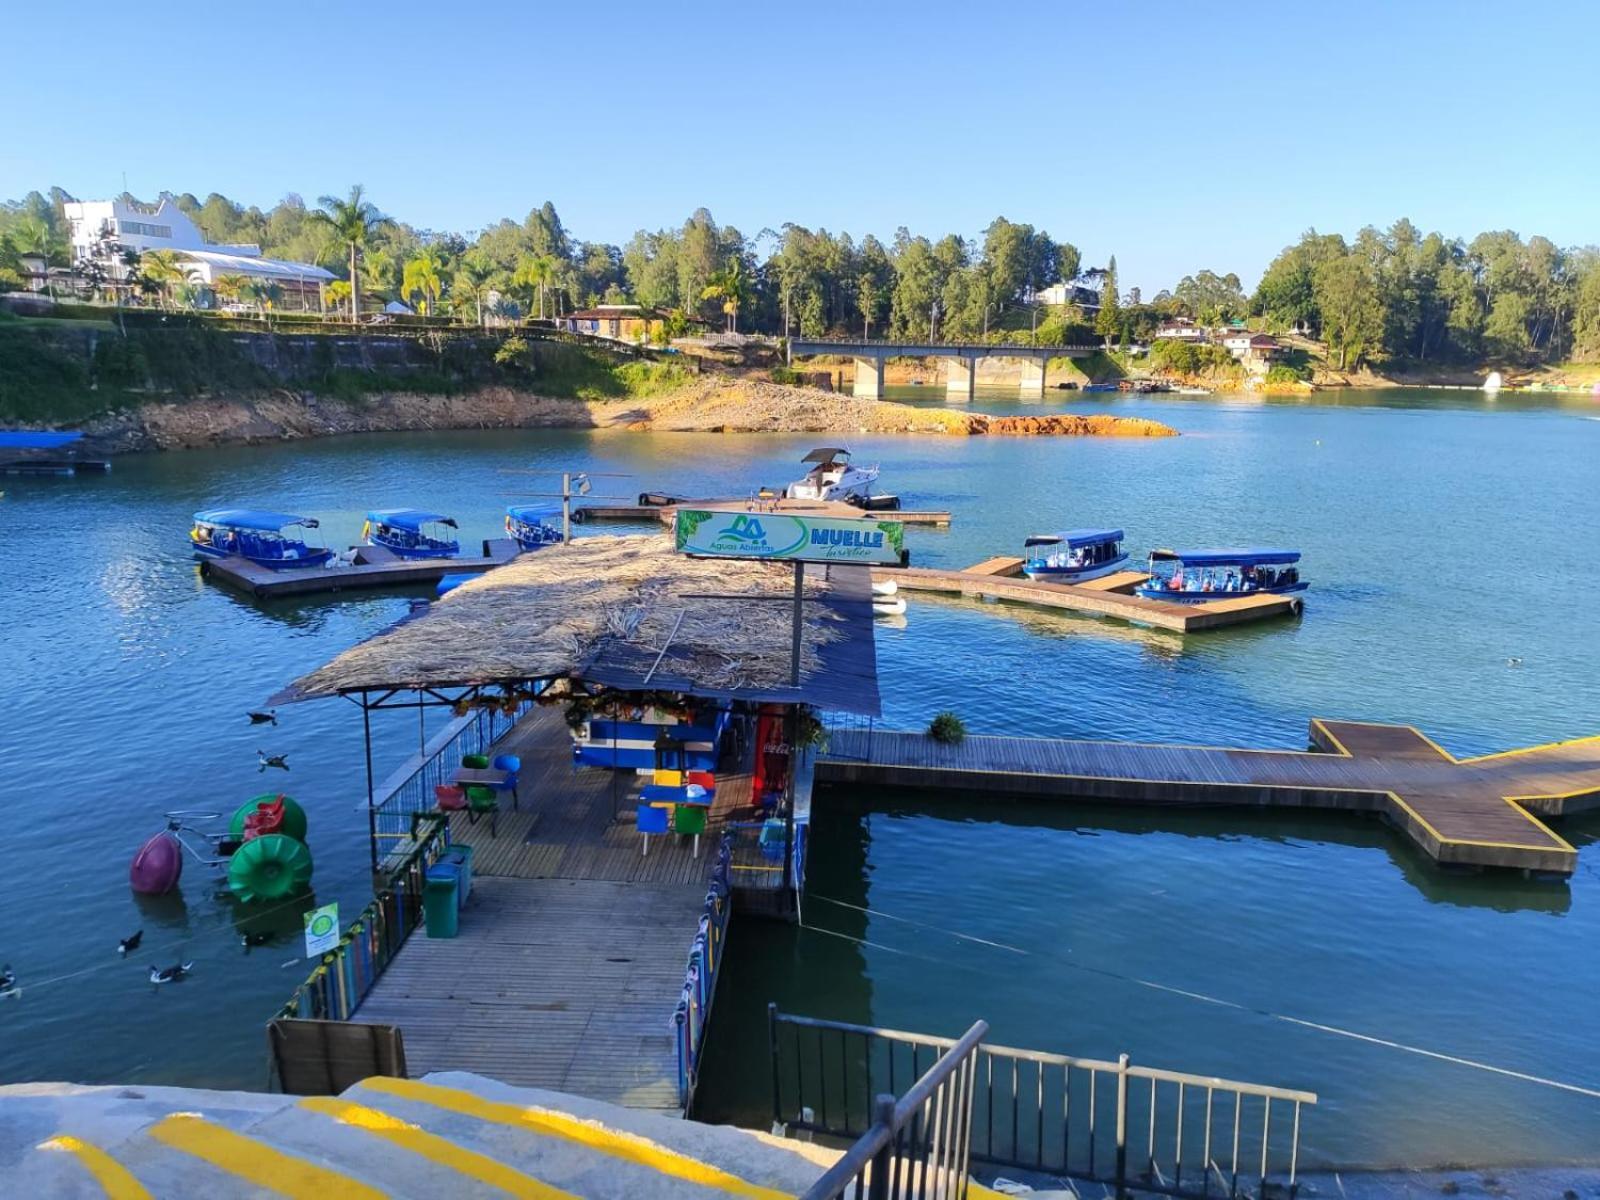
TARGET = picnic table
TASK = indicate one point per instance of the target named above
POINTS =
(486, 777)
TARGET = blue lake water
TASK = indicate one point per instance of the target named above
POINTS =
(1444, 536)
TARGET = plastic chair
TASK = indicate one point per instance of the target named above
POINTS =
(510, 764)
(652, 818)
(483, 801)
(689, 819)
(475, 762)
(449, 797)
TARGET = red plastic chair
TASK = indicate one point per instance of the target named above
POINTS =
(449, 797)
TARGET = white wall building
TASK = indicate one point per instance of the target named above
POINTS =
(165, 226)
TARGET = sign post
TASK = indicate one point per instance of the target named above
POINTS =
(322, 930)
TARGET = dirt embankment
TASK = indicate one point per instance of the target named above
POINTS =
(707, 405)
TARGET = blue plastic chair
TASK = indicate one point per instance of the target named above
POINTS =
(652, 819)
(510, 764)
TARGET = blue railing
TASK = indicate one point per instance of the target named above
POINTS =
(345, 974)
(409, 791)
(700, 978)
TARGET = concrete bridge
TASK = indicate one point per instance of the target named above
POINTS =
(961, 361)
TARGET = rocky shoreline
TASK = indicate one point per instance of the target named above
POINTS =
(707, 405)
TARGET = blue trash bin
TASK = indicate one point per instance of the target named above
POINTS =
(460, 857)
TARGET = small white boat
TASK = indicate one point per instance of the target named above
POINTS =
(833, 477)
(888, 606)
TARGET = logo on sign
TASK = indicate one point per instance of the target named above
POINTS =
(745, 529)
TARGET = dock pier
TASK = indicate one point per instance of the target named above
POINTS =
(1477, 812)
(668, 513)
(374, 567)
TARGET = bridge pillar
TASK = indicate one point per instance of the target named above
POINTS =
(1033, 370)
(959, 376)
(869, 378)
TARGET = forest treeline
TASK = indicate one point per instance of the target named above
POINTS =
(1385, 294)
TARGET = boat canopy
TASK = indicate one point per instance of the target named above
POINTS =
(252, 518)
(826, 454)
(533, 512)
(408, 518)
(1075, 538)
(36, 439)
(1251, 556)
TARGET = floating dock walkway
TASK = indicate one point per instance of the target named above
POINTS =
(668, 513)
(375, 567)
(1480, 812)
(1000, 579)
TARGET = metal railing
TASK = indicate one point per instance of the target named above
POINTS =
(1110, 1122)
(345, 974)
(700, 976)
(917, 1145)
(407, 793)
(843, 722)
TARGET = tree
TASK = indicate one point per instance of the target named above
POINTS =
(473, 281)
(336, 293)
(160, 271)
(867, 300)
(1352, 318)
(230, 287)
(352, 223)
(732, 286)
(1211, 298)
(422, 279)
(534, 273)
(1108, 321)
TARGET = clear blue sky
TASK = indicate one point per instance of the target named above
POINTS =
(1175, 136)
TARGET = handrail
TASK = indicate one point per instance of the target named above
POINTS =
(1060, 1114)
(899, 1152)
(693, 1013)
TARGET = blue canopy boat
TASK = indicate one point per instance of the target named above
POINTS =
(1195, 576)
(531, 525)
(261, 537)
(1074, 555)
(411, 533)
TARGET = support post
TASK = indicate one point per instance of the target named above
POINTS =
(959, 376)
(799, 617)
(372, 813)
(869, 378)
(1122, 1126)
(1033, 372)
(566, 507)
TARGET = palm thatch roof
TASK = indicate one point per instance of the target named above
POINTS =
(628, 611)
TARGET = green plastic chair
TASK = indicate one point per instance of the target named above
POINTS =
(689, 819)
(475, 762)
(483, 801)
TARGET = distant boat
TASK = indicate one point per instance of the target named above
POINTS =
(534, 526)
(262, 537)
(1196, 576)
(1493, 383)
(833, 477)
(411, 533)
(1074, 555)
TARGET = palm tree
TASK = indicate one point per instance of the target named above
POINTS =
(732, 287)
(231, 286)
(378, 271)
(336, 293)
(473, 280)
(533, 275)
(160, 270)
(421, 278)
(352, 223)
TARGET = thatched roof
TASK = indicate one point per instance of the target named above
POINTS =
(617, 609)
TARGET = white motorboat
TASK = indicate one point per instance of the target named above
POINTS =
(834, 477)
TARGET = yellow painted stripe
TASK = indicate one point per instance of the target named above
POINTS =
(436, 1149)
(257, 1162)
(115, 1180)
(614, 1142)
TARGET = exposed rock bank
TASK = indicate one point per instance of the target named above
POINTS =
(707, 405)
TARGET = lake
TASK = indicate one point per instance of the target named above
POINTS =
(1442, 534)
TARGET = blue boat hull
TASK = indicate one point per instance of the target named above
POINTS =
(311, 558)
(1150, 593)
(1046, 574)
(441, 550)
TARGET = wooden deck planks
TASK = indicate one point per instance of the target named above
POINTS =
(1455, 811)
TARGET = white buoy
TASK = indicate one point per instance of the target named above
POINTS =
(888, 606)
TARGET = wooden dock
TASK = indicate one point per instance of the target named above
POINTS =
(375, 567)
(572, 950)
(1476, 812)
(1000, 579)
(668, 513)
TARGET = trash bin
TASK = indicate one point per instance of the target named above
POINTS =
(440, 908)
(460, 857)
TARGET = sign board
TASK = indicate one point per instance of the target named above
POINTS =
(322, 930)
(784, 537)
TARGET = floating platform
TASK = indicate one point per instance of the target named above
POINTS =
(668, 513)
(1478, 812)
(375, 567)
(55, 466)
(1111, 596)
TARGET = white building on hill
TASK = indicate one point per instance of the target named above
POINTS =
(165, 226)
